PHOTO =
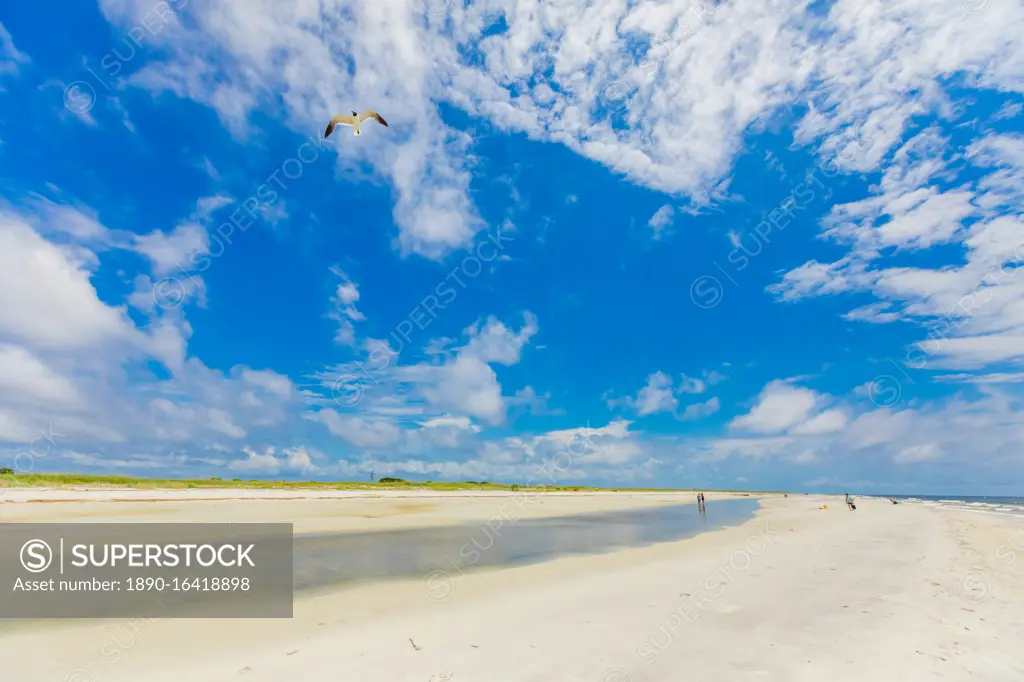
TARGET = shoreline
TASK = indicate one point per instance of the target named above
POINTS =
(22, 495)
(336, 511)
(796, 593)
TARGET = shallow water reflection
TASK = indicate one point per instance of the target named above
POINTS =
(329, 559)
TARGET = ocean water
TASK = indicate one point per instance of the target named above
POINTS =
(1004, 506)
(324, 560)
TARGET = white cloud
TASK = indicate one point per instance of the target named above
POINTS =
(692, 385)
(996, 378)
(865, 68)
(26, 378)
(13, 429)
(294, 460)
(805, 457)
(780, 406)
(467, 385)
(10, 56)
(956, 441)
(462, 423)
(828, 421)
(363, 433)
(612, 445)
(207, 206)
(275, 383)
(344, 310)
(494, 342)
(220, 420)
(656, 396)
(210, 169)
(878, 313)
(444, 395)
(49, 299)
(701, 410)
(710, 71)
(171, 252)
(917, 453)
(73, 362)
(661, 221)
(659, 395)
(972, 309)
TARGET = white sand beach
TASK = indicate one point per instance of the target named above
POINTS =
(799, 593)
(315, 511)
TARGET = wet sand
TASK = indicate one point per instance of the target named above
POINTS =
(797, 594)
(317, 511)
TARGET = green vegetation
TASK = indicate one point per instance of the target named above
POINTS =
(8, 479)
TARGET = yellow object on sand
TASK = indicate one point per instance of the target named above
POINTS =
(825, 507)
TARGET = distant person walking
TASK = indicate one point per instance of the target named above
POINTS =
(849, 502)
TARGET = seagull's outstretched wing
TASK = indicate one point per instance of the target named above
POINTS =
(370, 113)
(340, 119)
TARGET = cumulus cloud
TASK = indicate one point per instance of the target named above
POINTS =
(780, 406)
(660, 93)
(656, 396)
(298, 460)
(65, 354)
(660, 395)
(457, 385)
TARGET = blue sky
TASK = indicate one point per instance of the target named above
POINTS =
(724, 245)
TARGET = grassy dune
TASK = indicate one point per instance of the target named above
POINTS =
(127, 482)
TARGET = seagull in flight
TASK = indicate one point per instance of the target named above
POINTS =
(354, 120)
